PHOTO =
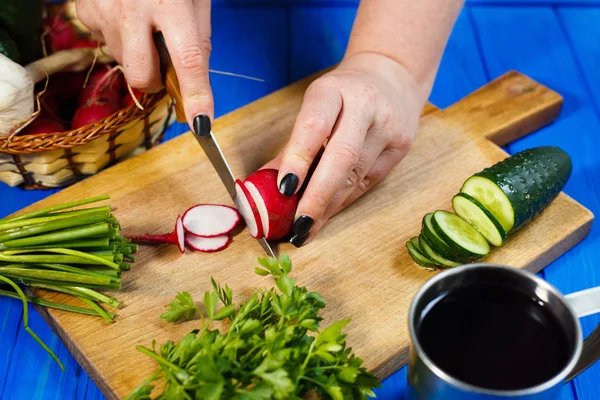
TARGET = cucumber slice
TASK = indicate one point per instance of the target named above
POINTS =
(454, 229)
(418, 257)
(439, 245)
(518, 188)
(492, 198)
(472, 211)
(415, 242)
(428, 251)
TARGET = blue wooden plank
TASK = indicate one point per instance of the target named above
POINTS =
(33, 374)
(247, 41)
(533, 43)
(319, 36)
(582, 28)
(10, 320)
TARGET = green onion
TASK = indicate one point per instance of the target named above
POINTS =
(62, 276)
(54, 226)
(58, 306)
(78, 291)
(58, 236)
(26, 319)
(51, 218)
(66, 268)
(98, 309)
(59, 207)
(99, 243)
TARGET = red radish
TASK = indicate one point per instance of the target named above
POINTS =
(110, 95)
(65, 85)
(207, 244)
(43, 125)
(247, 207)
(97, 76)
(62, 34)
(176, 237)
(92, 112)
(128, 100)
(276, 210)
(210, 220)
(85, 43)
(50, 107)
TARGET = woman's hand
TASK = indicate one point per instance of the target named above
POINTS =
(126, 26)
(366, 113)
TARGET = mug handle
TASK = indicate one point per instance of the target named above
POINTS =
(584, 303)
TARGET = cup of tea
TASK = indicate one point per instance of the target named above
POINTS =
(484, 331)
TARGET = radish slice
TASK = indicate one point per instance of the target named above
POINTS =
(247, 207)
(260, 204)
(210, 220)
(180, 232)
(207, 244)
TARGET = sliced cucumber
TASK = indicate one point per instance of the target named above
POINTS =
(492, 198)
(472, 211)
(415, 242)
(518, 188)
(432, 255)
(454, 229)
(440, 246)
(418, 257)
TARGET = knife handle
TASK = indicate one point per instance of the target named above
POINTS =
(169, 76)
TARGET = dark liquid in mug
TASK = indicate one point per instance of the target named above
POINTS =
(494, 338)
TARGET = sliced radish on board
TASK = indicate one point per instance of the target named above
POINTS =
(210, 220)
(249, 210)
(180, 232)
(276, 210)
(177, 237)
(207, 244)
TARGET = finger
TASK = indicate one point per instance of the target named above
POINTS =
(188, 41)
(140, 57)
(315, 122)
(372, 149)
(339, 158)
(112, 38)
(388, 159)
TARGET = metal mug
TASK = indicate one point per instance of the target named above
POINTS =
(427, 381)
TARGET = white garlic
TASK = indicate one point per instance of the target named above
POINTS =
(16, 94)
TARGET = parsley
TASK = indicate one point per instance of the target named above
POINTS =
(266, 352)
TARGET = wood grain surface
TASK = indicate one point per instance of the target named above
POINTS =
(358, 263)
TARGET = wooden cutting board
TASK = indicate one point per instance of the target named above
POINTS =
(358, 263)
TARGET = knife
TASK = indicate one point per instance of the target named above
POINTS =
(207, 141)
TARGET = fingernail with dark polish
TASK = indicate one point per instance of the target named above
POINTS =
(298, 241)
(288, 184)
(302, 225)
(202, 125)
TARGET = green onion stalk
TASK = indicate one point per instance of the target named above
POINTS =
(75, 252)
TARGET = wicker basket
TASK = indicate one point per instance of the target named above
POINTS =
(60, 159)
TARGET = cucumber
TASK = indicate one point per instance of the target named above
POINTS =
(415, 242)
(455, 230)
(440, 246)
(472, 211)
(418, 257)
(520, 187)
(435, 257)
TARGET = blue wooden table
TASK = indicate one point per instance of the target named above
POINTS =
(556, 43)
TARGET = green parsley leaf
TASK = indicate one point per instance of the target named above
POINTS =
(182, 308)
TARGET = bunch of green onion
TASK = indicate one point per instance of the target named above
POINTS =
(72, 251)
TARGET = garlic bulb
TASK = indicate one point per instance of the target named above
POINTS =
(16, 94)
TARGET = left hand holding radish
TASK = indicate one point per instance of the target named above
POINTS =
(365, 112)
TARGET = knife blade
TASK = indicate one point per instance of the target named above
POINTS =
(207, 141)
